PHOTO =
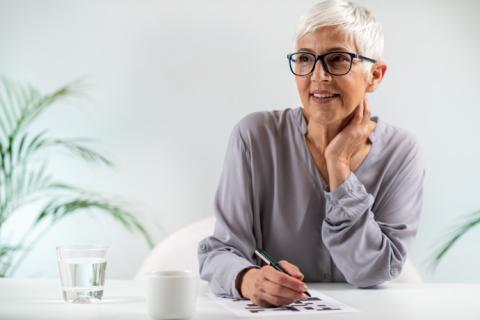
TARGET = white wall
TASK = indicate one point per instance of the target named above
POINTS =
(167, 80)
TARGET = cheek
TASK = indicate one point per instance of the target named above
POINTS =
(349, 103)
(302, 87)
(353, 94)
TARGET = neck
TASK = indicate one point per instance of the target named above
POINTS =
(320, 135)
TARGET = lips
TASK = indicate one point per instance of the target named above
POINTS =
(323, 97)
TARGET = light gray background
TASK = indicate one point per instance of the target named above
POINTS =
(167, 81)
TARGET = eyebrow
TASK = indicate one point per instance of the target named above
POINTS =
(328, 50)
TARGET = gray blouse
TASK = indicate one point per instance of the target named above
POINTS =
(272, 196)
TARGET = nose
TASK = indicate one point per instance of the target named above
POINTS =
(319, 73)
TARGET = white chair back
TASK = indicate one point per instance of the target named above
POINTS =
(179, 252)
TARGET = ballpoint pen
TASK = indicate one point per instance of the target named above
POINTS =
(269, 260)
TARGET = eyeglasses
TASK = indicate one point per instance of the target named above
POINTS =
(337, 63)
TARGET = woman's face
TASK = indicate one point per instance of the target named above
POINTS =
(315, 89)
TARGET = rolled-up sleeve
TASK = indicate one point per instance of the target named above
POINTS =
(229, 250)
(369, 245)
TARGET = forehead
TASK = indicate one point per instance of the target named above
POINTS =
(326, 39)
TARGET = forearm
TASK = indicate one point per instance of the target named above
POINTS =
(366, 254)
(220, 266)
(230, 250)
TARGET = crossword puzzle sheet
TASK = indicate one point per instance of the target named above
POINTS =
(317, 304)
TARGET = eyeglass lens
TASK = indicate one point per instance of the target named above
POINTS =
(336, 63)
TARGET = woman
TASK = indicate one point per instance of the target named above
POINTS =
(326, 187)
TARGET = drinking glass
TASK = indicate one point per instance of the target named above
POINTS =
(82, 272)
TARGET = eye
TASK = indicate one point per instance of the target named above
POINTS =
(302, 58)
(336, 58)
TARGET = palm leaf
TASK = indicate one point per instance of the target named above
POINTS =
(25, 178)
(5, 249)
(35, 107)
(15, 102)
(56, 210)
(7, 104)
(84, 152)
(27, 148)
(24, 184)
(20, 105)
(453, 236)
(5, 257)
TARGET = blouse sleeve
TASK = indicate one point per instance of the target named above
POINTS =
(370, 247)
(229, 250)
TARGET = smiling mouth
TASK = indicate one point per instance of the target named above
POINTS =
(323, 98)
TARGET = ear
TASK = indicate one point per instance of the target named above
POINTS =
(376, 75)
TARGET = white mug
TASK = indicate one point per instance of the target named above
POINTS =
(171, 294)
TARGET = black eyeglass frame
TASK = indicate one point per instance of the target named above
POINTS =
(321, 57)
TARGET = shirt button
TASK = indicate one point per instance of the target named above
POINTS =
(203, 247)
(395, 272)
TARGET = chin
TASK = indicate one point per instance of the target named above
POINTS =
(322, 116)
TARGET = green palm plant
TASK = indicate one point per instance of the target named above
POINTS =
(459, 230)
(25, 177)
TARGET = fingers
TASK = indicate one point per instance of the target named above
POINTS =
(279, 291)
(367, 123)
(362, 113)
(366, 110)
(273, 287)
(352, 138)
(266, 299)
(359, 113)
(291, 269)
(283, 279)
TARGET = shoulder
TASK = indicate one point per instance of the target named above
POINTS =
(400, 146)
(398, 138)
(390, 131)
(266, 125)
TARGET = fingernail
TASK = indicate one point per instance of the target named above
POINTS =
(304, 296)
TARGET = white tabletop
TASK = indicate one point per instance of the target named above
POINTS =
(42, 299)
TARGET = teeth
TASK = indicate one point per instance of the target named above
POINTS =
(324, 95)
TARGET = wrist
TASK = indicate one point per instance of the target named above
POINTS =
(245, 281)
(338, 172)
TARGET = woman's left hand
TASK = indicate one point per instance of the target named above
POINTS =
(346, 144)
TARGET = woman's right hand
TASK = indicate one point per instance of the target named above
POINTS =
(268, 287)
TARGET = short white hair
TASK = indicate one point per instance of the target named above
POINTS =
(354, 20)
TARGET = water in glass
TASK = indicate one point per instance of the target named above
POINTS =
(82, 272)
